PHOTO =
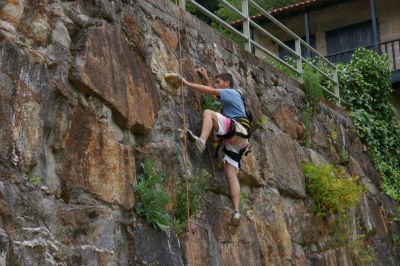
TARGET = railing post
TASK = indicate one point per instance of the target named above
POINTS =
(182, 4)
(246, 24)
(298, 59)
(337, 92)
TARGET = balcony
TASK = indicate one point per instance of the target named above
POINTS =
(390, 48)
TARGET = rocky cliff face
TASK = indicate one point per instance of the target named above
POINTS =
(83, 104)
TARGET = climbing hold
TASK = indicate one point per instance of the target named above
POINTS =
(173, 78)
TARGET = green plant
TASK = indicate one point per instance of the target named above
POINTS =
(263, 122)
(365, 84)
(196, 189)
(331, 188)
(344, 236)
(313, 91)
(344, 156)
(210, 103)
(333, 192)
(228, 33)
(362, 252)
(244, 201)
(332, 139)
(325, 83)
(396, 238)
(397, 217)
(312, 85)
(152, 197)
(341, 230)
(33, 179)
(308, 125)
(333, 135)
(285, 69)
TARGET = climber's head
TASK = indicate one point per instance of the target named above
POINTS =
(223, 80)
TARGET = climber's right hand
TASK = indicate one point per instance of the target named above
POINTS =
(203, 73)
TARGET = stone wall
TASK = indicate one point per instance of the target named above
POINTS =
(83, 104)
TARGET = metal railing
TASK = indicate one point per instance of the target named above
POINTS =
(390, 48)
(247, 22)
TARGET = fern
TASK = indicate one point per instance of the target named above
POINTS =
(152, 198)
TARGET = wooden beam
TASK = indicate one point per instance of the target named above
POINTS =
(307, 31)
(374, 26)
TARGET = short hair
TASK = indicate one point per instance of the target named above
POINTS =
(226, 77)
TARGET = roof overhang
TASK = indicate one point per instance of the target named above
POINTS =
(294, 9)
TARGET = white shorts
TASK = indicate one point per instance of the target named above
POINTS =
(234, 143)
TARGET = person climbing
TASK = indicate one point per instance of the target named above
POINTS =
(232, 125)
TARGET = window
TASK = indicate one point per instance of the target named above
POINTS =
(341, 43)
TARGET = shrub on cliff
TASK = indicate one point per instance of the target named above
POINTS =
(196, 188)
(152, 198)
(331, 188)
(365, 84)
(333, 192)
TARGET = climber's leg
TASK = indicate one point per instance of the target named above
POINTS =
(210, 121)
(234, 186)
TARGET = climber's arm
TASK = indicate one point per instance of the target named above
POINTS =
(201, 88)
(203, 73)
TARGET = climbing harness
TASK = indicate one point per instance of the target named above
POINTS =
(246, 123)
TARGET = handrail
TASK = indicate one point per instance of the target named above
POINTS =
(213, 16)
(254, 24)
(316, 68)
(205, 11)
(291, 33)
(247, 21)
(275, 57)
(386, 47)
(350, 50)
(391, 40)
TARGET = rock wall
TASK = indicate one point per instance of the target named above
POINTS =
(83, 104)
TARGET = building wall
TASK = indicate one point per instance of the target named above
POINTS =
(335, 17)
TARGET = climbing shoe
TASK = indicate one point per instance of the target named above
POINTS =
(198, 143)
(235, 218)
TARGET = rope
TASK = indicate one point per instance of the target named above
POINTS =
(179, 13)
(196, 81)
(185, 154)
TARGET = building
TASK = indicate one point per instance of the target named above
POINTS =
(335, 28)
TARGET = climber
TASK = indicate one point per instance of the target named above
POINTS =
(232, 125)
